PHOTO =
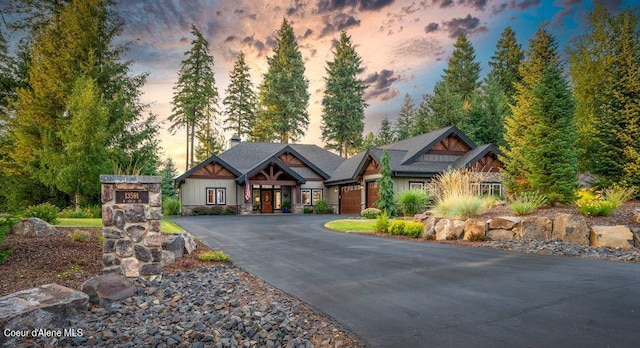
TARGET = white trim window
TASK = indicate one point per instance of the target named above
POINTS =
(216, 196)
(306, 196)
(316, 196)
(416, 185)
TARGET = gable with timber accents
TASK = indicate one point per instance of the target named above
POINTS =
(291, 160)
(213, 171)
(488, 163)
(372, 167)
(451, 145)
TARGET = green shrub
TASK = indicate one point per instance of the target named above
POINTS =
(88, 212)
(596, 208)
(216, 210)
(307, 210)
(80, 236)
(413, 229)
(322, 207)
(396, 228)
(382, 223)
(459, 207)
(45, 211)
(527, 202)
(618, 195)
(213, 256)
(370, 213)
(230, 211)
(5, 228)
(171, 206)
(411, 202)
(200, 211)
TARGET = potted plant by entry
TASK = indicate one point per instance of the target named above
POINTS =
(286, 206)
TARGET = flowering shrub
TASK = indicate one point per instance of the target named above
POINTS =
(596, 208)
(371, 213)
(45, 211)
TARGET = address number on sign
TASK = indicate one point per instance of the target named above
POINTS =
(128, 197)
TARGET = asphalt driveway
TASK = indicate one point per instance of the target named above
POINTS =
(397, 293)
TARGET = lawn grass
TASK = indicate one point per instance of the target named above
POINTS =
(167, 226)
(352, 225)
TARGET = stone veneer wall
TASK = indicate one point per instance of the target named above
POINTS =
(132, 231)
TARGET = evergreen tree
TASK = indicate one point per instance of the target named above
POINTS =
(385, 201)
(284, 95)
(385, 133)
(488, 111)
(505, 62)
(446, 108)
(606, 80)
(75, 43)
(168, 174)
(423, 116)
(195, 95)
(343, 101)
(462, 74)
(406, 119)
(540, 153)
(210, 140)
(241, 100)
(369, 142)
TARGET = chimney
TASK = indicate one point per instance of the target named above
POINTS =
(235, 140)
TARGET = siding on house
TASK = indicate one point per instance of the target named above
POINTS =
(193, 192)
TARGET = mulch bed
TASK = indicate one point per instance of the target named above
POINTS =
(59, 259)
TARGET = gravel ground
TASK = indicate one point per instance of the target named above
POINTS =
(219, 306)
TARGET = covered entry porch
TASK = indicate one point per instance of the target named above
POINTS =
(274, 188)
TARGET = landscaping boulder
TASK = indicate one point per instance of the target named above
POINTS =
(535, 228)
(430, 227)
(636, 216)
(45, 307)
(174, 244)
(34, 227)
(501, 235)
(168, 257)
(108, 288)
(189, 243)
(571, 228)
(421, 217)
(449, 229)
(636, 237)
(504, 222)
(474, 227)
(611, 236)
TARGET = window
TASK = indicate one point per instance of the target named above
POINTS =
(306, 196)
(216, 195)
(316, 196)
(416, 185)
(256, 197)
(277, 201)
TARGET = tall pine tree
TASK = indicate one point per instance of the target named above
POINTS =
(343, 101)
(385, 133)
(385, 201)
(195, 95)
(284, 95)
(462, 74)
(540, 154)
(505, 62)
(406, 119)
(488, 111)
(606, 79)
(241, 100)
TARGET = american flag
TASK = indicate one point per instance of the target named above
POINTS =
(247, 190)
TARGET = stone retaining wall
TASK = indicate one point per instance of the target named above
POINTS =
(567, 227)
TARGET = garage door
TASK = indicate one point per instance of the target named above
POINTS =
(372, 193)
(350, 199)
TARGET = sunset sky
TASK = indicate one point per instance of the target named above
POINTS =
(404, 44)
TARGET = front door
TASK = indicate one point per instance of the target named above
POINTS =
(266, 202)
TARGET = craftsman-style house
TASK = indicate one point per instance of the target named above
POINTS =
(271, 177)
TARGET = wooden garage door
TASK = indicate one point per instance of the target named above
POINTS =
(372, 193)
(350, 199)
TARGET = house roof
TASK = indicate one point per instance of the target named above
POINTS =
(403, 155)
(246, 158)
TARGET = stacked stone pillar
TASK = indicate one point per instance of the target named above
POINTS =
(131, 218)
